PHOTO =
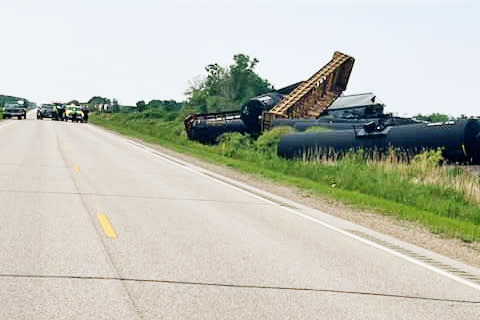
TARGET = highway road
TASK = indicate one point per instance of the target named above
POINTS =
(93, 226)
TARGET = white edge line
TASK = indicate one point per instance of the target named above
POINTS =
(324, 224)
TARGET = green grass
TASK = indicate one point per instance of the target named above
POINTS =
(386, 188)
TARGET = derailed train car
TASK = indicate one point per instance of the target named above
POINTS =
(458, 140)
(346, 112)
(305, 100)
(206, 128)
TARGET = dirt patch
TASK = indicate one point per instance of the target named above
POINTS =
(468, 253)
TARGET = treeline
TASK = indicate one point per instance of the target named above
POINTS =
(222, 89)
(165, 105)
(439, 117)
(4, 99)
(114, 106)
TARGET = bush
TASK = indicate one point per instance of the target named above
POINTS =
(267, 143)
(232, 143)
(152, 114)
(171, 116)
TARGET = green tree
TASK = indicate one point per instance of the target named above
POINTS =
(165, 105)
(140, 106)
(10, 99)
(227, 88)
(74, 102)
(96, 100)
(115, 106)
(243, 82)
(215, 81)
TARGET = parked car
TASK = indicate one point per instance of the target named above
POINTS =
(47, 111)
(12, 110)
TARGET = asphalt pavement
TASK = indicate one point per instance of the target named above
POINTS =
(93, 226)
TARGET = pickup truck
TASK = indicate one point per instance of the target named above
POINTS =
(14, 111)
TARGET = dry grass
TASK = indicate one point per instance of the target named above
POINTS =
(428, 169)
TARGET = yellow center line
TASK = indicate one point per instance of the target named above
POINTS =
(76, 169)
(106, 226)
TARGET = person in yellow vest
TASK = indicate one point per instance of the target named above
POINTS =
(55, 113)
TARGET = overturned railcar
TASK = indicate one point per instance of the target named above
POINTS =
(206, 128)
(458, 140)
(347, 112)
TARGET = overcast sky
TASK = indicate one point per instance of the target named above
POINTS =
(417, 56)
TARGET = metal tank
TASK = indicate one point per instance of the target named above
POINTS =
(459, 140)
(206, 128)
(205, 132)
(252, 111)
(339, 123)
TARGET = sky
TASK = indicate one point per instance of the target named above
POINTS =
(416, 56)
